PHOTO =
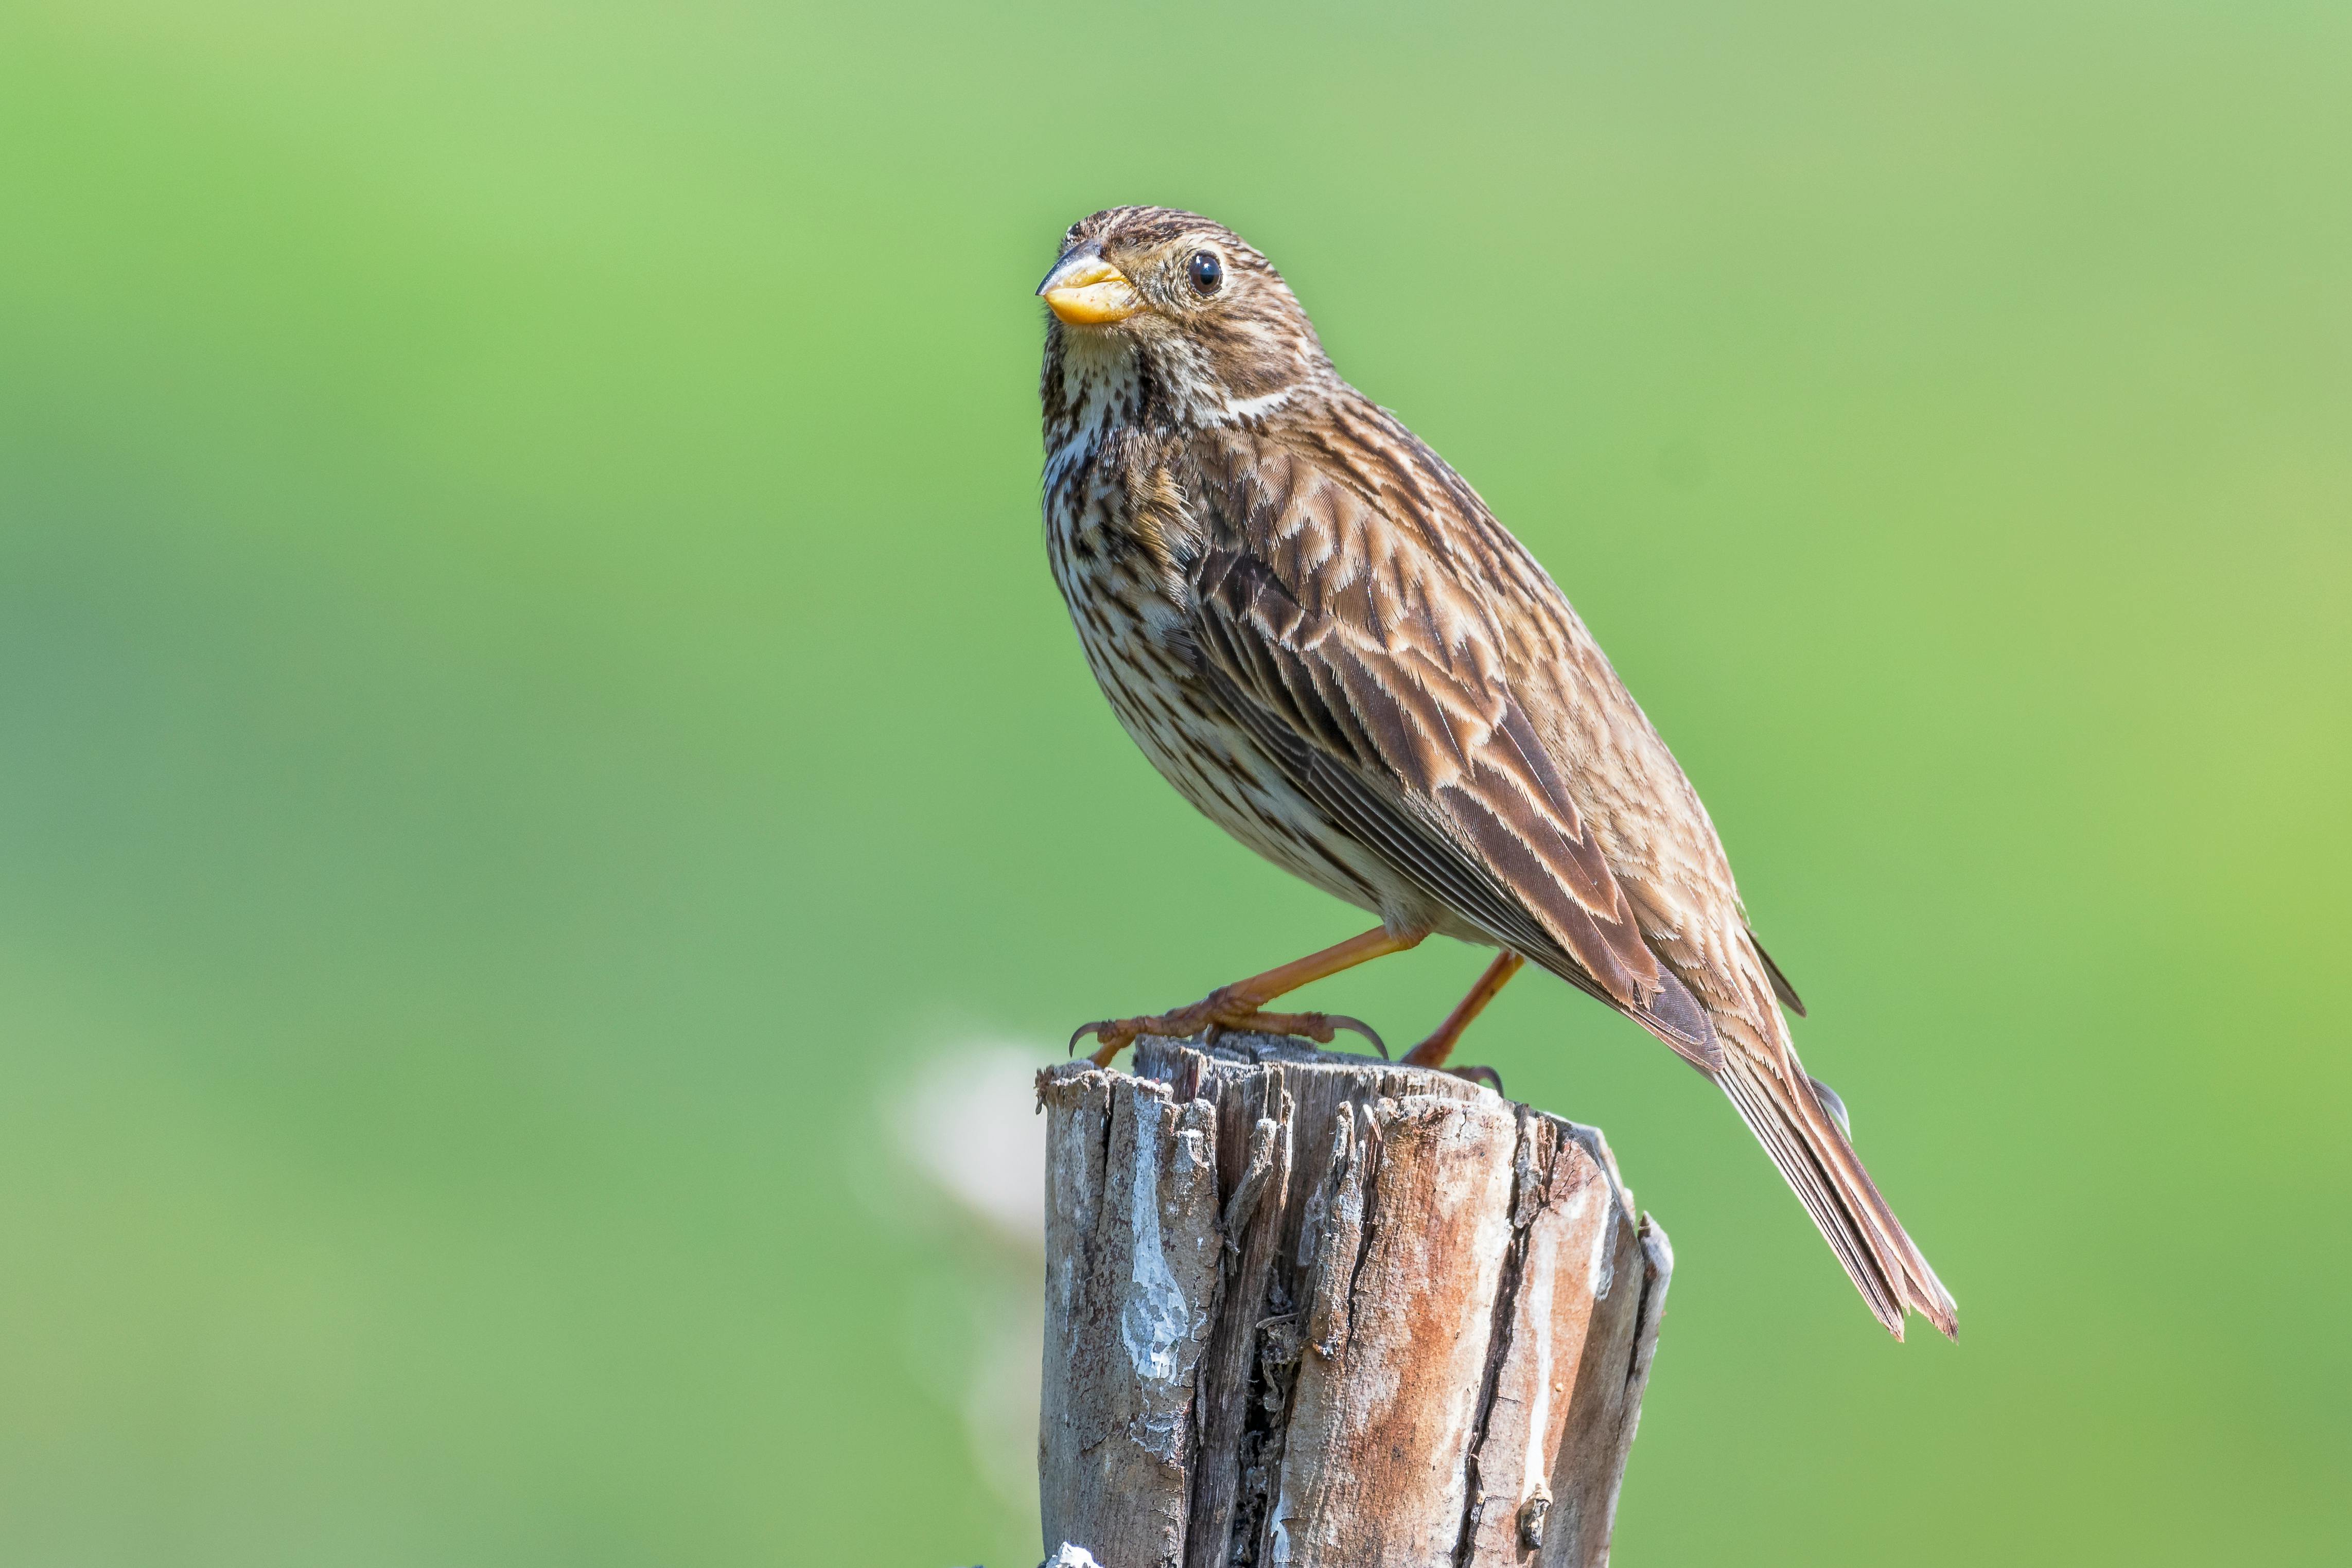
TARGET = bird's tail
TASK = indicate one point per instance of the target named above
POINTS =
(1801, 1124)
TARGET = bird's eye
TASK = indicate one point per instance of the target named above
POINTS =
(1206, 272)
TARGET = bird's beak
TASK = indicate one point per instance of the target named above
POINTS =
(1085, 291)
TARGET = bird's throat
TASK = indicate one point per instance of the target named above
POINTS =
(1094, 381)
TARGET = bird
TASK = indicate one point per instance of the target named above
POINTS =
(1321, 635)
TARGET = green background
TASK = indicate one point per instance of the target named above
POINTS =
(531, 701)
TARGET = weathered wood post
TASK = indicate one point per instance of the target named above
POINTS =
(1314, 1310)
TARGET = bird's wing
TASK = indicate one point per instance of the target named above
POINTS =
(1379, 693)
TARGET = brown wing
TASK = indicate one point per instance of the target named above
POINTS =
(1374, 683)
(1449, 553)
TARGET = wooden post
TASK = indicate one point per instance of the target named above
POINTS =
(1310, 1310)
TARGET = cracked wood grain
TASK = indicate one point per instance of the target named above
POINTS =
(1306, 1309)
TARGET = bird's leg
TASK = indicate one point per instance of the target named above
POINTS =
(1235, 1007)
(1433, 1051)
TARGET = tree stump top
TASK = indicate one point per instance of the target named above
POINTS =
(1308, 1308)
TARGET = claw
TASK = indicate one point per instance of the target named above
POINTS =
(1115, 1035)
(1485, 1075)
(1341, 1020)
(1085, 1030)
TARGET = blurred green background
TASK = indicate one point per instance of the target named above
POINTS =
(532, 706)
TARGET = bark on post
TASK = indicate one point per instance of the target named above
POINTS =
(1311, 1310)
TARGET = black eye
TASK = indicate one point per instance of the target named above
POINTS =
(1206, 271)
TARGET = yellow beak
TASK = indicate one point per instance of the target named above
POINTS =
(1085, 291)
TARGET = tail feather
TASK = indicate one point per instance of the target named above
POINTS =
(1812, 1151)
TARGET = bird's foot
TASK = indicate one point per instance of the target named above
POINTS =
(1229, 1011)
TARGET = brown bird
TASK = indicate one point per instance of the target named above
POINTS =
(1322, 637)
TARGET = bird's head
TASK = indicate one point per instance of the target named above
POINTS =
(1182, 307)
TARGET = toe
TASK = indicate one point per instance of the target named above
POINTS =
(1341, 1020)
